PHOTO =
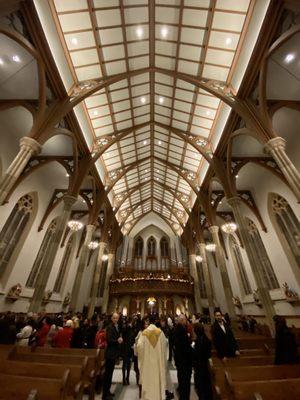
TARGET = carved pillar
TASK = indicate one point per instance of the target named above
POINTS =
(28, 148)
(48, 260)
(208, 283)
(224, 274)
(96, 280)
(276, 147)
(110, 270)
(194, 273)
(178, 251)
(264, 294)
(124, 251)
(83, 259)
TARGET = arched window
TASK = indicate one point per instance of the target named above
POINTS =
(65, 262)
(13, 229)
(239, 265)
(164, 247)
(151, 245)
(138, 248)
(41, 254)
(286, 225)
(261, 253)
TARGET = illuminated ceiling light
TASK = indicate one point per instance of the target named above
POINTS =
(169, 276)
(95, 112)
(157, 178)
(157, 170)
(228, 41)
(289, 58)
(199, 258)
(161, 99)
(146, 170)
(104, 257)
(75, 225)
(143, 100)
(164, 31)
(159, 142)
(93, 245)
(74, 41)
(210, 247)
(229, 227)
(236, 176)
(145, 142)
(139, 31)
(1, 61)
(67, 175)
(16, 59)
(207, 113)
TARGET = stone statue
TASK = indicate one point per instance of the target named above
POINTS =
(47, 296)
(237, 302)
(14, 292)
(67, 299)
(290, 294)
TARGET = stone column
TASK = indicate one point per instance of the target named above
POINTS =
(110, 271)
(28, 148)
(276, 147)
(224, 274)
(263, 291)
(208, 283)
(178, 250)
(48, 260)
(194, 274)
(83, 259)
(124, 251)
(96, 280)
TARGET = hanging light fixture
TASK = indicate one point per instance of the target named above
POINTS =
(199, 258)
(75, 225)
(93, 245)
(104, 257)
(210, 247)
(229, 227)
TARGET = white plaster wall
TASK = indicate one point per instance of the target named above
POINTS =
(14, 124)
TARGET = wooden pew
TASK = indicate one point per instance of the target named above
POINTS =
(86, 364)
(50, 371)
(243, 361)
(255, 342)
(275, 389)
(266, 372)
(15, 387)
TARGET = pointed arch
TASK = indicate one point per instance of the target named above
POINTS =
(287, 228)
(15, 231)
(267, 270)
(65, 264)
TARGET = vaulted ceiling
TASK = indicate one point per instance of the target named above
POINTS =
(202, 38)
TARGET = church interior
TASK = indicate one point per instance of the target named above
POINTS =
(149, 158)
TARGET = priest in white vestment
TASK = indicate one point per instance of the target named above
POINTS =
(152, 359)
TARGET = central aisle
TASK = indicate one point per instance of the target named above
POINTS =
(131, 392)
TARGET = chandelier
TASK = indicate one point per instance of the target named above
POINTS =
(104, 257)
(93, 245)
(75, 225)
(199, 258)
(229, 227)
(210, 247)
(151, 301)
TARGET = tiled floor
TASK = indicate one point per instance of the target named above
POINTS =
(131, 392)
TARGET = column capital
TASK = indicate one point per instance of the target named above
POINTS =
(234, 201)
(214, 229)
(90, 228)
(69, 200)
(30, 144)
(277, 143)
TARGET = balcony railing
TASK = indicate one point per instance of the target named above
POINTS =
(142, 282)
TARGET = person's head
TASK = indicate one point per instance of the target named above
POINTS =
(145, 322)
(163, 322)
(69, 323)
(198, 329)
(182, 320)
(218, 316)
(280, 322)
(115, 318)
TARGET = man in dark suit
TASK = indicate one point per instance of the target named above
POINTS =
(183, 357)
(223, 338)
(114, 340)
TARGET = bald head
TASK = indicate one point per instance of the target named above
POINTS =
(115, 318)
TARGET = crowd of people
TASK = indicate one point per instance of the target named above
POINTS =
(149, 344)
